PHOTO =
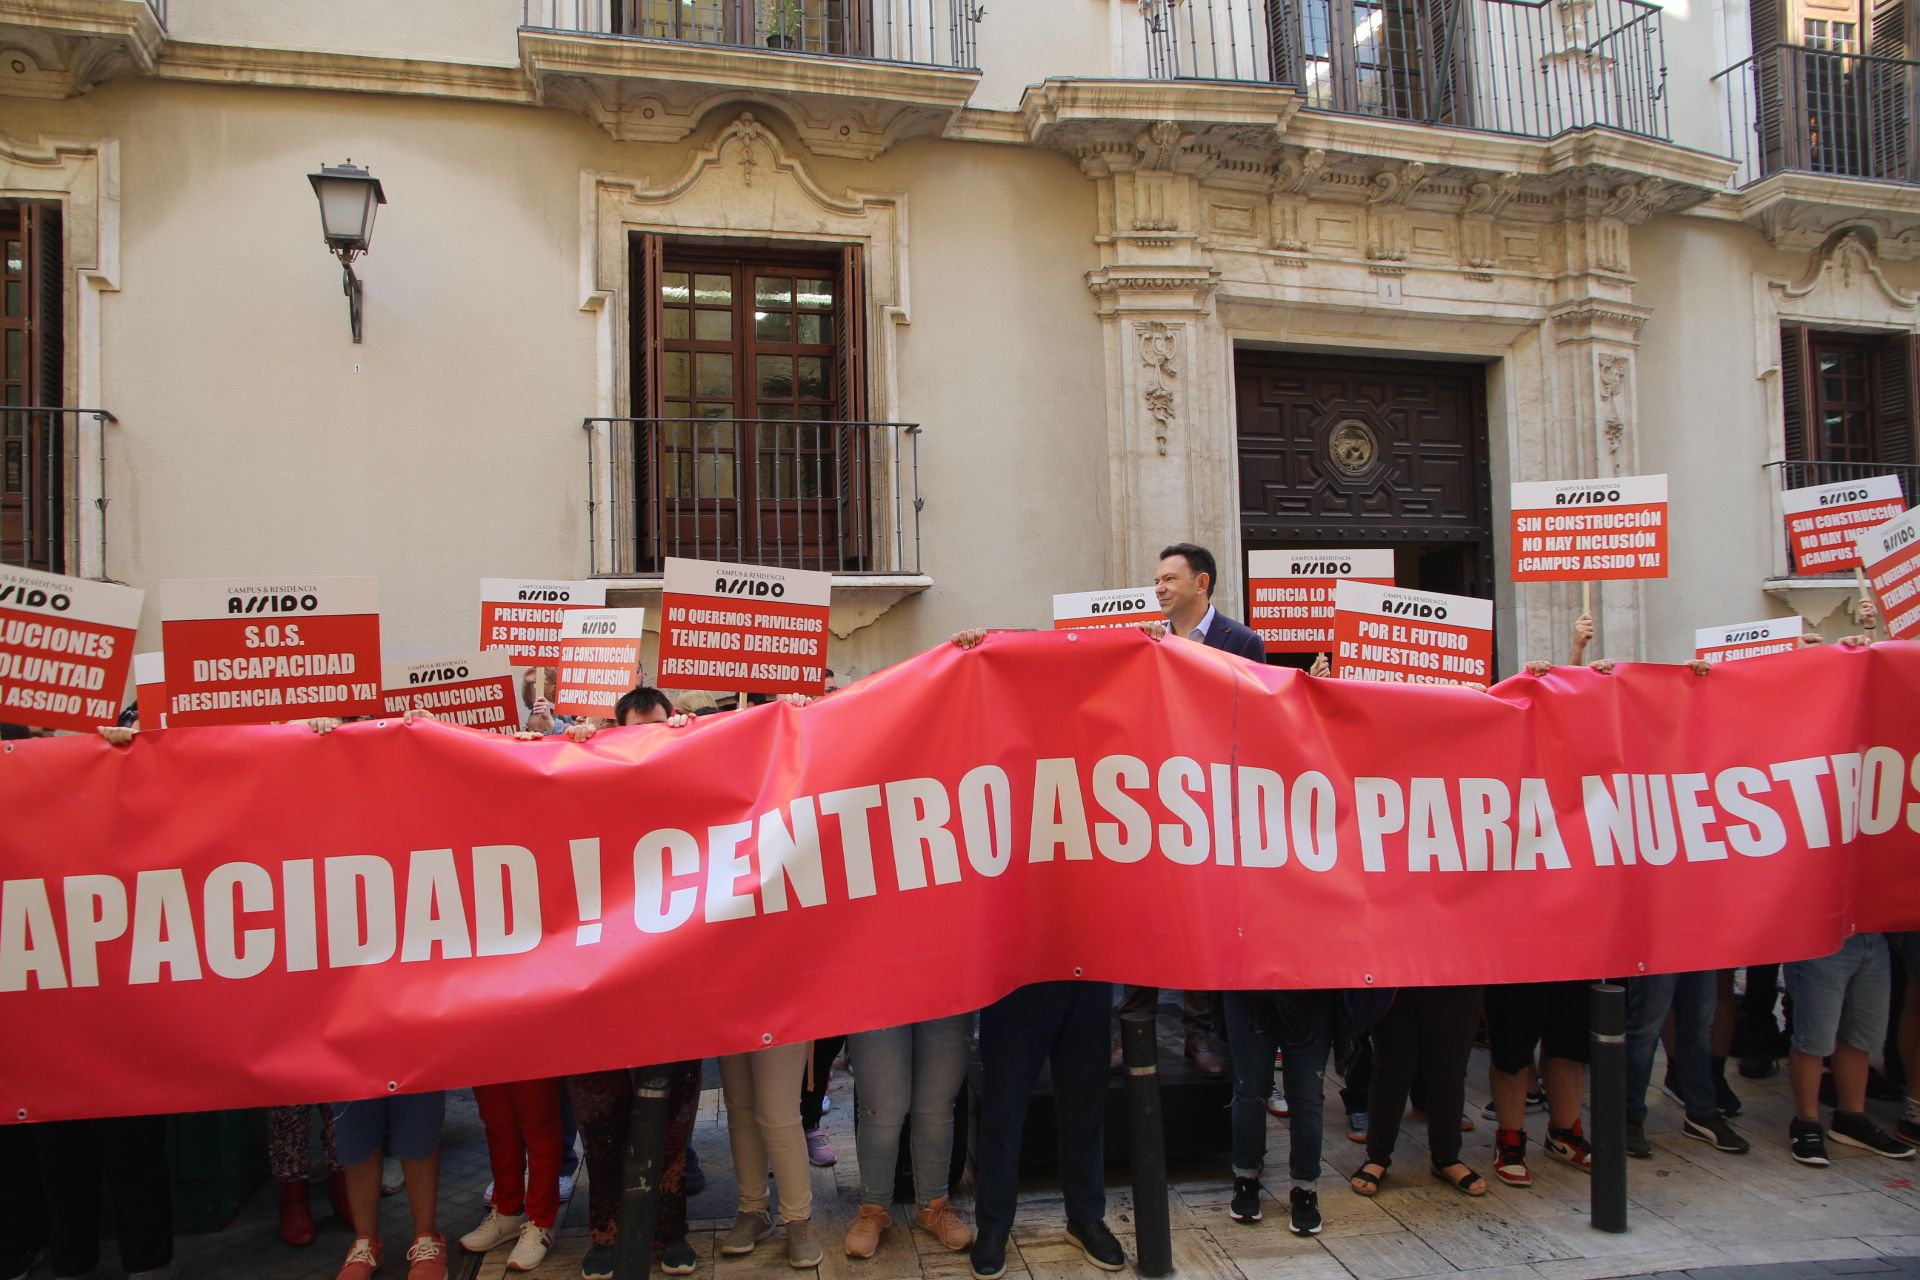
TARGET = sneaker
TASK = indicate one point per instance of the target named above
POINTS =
(1570, 1145)
(1725, 1098)
(1094, 1240)
(427, 1259)
(1246, 1200)
(1803, 1137)
(678, 1258)
(598, 1264)
(1758, 1066)
(863, 1237)
(1637, 1145)
(819, 1148)
(1907, 1130)
(1510, 1157)
(566, 1187)
(826, 1103)
(803, 1245)
(1303, 1216)
(749, 1229)
(944, 1223)
(696, 1176)
(157, 1273)
(1467, 1124)
(1356, 1126)
(1854, 1129)
(535, 1240)
(988, 1261)
(1536, 1101)
(363, 1259)
(1279, 1059)
(393, 1178)
(494, 1230)
(1716, 1133)
(1277, 1103)
(1489, 1112)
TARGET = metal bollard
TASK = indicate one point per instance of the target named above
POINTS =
(1153, 1226)
(640, 1178)
(1608, 1206)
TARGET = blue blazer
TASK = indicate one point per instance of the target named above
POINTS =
(1235, 637)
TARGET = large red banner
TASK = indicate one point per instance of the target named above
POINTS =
(266, 915)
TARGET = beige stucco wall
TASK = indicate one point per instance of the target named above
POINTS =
(255, 438)
(459, 30)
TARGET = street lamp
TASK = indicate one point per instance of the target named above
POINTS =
(349, 197)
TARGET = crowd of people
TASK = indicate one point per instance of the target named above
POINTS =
(1398, 1054)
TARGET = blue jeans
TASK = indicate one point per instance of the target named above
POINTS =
(1691, 996)
(913, 1070)
(1843, 996)
(1063, 1025)
(1302, 1024)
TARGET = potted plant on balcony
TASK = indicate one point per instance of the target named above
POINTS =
(785, 23)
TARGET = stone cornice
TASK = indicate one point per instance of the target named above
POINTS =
(1803, 211)
(62, 47)
(344, 72)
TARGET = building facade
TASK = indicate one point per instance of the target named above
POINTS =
(964, 307)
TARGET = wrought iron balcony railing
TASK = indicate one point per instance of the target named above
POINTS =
(39, 464)
(1794, 109)
(842, 497)
(1524, 67)
(159, 8)
(938, 33)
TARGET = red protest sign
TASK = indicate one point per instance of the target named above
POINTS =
(520, 617)
(744, 627)
(1079, 610)
(150, 689)
(470, 689)
(1891, 556)
(1291, 593)
(1401, 636)
(1589, 530)
(599, 659)
(65, 645)
(1748, 639)
(1825, 521)
(256, 650)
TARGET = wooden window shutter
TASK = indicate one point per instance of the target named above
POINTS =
(1890, 94)
(46, 294)
(1795, 400)
(643, 318)
(1770, 86)
(851, 446)
(1894, 401)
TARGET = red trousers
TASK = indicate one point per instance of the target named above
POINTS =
(523, 1146)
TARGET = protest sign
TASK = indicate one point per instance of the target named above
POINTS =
(1890, 554)
(1124, 607)
(150, 689)
(520, 617)
(319, 899)
(65, 645)
(1401, 636)
(1748, 639)
(599, 660)
(474, 690)
(255, 650)
(1590, 530)
(1291, 593)
(743, 627)
(1825, 521)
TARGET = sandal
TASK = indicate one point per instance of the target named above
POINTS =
(1368, 1184)
(1465, 1183)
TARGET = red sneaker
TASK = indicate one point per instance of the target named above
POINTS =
(362, 1260)
(427, 1259)
(1510, 1157)
(1570, 1145)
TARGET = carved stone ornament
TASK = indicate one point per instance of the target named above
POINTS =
(1352, 447)
(1612, 372)
(1158, 348)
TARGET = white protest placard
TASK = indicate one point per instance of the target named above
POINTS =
(1890, 554)
(65, 646)
(258, 650)
(1124, 607)
(1748, 639)
(599, 659)
(1825, 521)
(474, 690)
(752, 628)
(1291, 593)
(150, 688)
(1402, 636)
(521, 616)
(1590, 530)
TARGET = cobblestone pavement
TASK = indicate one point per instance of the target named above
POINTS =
(1694, 1212)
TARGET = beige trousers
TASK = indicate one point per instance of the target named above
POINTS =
(762, 1090)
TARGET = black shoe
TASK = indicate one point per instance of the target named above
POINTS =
(1246, 1200)
(1908, 1130)
(1758, 1066)
(1716, 1133)
(678, 1258)
(989, 1257)
(696, 1176)
(1094, 1240)
(1637, 1145)
(598, 1264)
(1853, 1129)
(1304, 1217)
(1725, 1098)
(1881, 1089)
(1803, 1137)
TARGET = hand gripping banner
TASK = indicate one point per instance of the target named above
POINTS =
(255, 915)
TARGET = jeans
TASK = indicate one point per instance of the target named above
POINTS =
(1063, 1024)
(1302, 1024)
(762, 1091)
(1843, 996)
(1692, 998)
(917, 1071)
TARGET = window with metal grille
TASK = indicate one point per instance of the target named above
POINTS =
(1849, 406)
(32, 357)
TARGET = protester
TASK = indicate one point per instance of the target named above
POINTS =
(814, 1101)
(762, 1093)
(1522, 1018)
(1839, 1012)
(524, 1146)
(290, 1157)
(900, 1072)
(128, 1154)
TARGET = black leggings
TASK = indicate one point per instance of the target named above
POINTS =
(813, 1099)
(1428, 1030)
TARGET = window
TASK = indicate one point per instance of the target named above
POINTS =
(812, 26)
(31, 360)
(748, 381)
(1849, 406)
(1369, 57)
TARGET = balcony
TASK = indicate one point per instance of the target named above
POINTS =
(60, 48)
(40, 474)
(1516, 67)
(852, 76)
(835, 497)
